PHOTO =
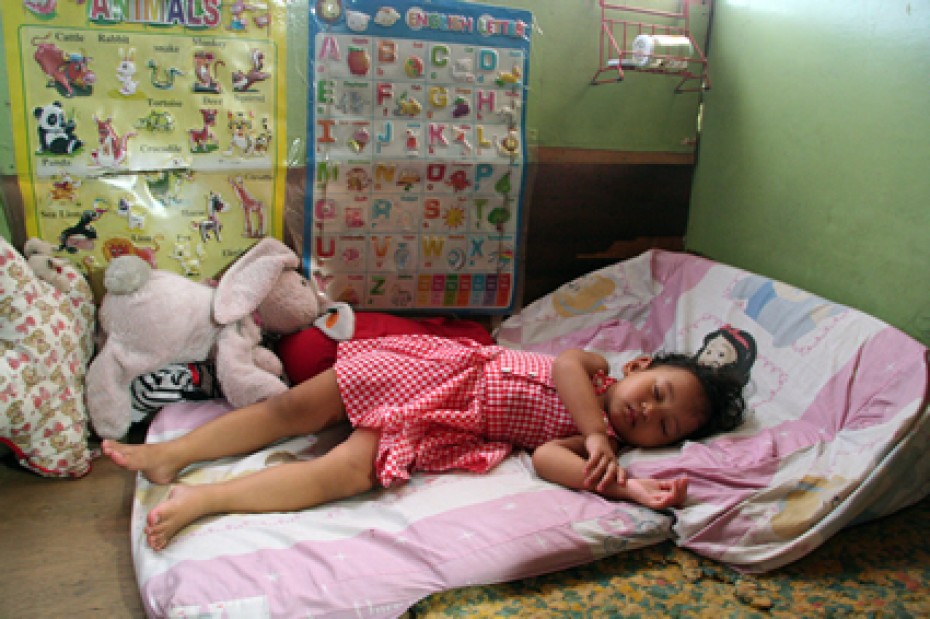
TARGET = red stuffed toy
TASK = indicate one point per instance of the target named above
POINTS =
(308, 352)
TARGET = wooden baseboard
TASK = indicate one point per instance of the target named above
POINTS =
(594, 208)
(621, 250)
(552, 154)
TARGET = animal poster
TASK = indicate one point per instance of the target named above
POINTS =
(416, 153)
(148, 127)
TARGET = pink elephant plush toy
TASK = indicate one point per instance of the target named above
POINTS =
(152, 318)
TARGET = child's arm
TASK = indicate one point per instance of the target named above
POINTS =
(571, 373)
(562, 461)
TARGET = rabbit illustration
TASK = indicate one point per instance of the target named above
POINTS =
(126, 70)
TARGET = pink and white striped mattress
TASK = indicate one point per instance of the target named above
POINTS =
(838, 433)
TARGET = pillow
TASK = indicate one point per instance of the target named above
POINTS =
(838, 418)
(47, 342)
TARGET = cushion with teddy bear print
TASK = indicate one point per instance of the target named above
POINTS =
(47, 342)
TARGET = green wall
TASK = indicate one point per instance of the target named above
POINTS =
(4, 225)
(640, 114)
(6, 143)
(812, 165)
(814, 161)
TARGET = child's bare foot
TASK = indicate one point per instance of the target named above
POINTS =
(149, 459)
(182, 506)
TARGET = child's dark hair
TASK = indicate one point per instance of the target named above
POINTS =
(723, 388)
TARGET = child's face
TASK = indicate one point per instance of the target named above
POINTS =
(655, 406)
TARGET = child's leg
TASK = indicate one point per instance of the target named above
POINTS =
(304, 409)
(347, 470)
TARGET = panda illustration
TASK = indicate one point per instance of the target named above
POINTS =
(56, 133)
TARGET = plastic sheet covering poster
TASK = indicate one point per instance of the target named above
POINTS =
(417, 160)
(148, 127)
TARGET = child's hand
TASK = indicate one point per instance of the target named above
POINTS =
(601, 468)
(657, 493)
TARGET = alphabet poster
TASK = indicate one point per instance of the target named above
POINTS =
(416, 153)
(149, 127)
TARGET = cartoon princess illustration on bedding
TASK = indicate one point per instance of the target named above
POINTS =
(728, 347)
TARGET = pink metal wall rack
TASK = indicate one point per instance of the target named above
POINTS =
(627, 43)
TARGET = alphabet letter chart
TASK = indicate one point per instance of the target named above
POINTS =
(416, 153)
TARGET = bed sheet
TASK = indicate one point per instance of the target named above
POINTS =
(374, 555)
(838, 433)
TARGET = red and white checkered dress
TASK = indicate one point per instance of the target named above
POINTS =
(444, 404)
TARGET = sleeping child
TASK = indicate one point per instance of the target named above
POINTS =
(427, 403)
